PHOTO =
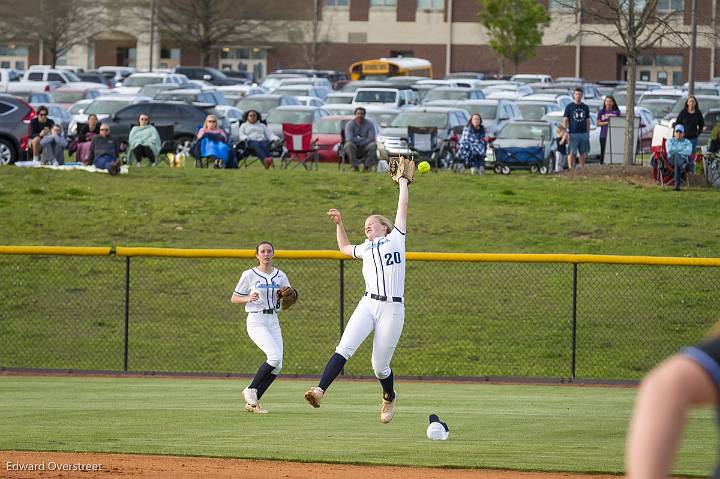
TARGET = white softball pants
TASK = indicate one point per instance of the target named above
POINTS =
(264, 330)
(386, 319)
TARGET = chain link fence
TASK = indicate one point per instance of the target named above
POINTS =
(543, 318)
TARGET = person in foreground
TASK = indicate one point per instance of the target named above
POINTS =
(381, 308)
(689, 379)
(264, 290)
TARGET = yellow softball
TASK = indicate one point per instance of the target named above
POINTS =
(423, 167)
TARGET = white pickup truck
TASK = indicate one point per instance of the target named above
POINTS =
(11, 82)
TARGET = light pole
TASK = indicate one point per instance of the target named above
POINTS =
(693, 46)
(152, 33)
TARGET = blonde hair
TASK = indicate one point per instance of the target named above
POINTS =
(211, 117)
(384, 221)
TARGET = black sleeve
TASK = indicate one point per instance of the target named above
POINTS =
(91, 153)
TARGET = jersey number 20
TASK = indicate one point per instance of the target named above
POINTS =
(392, 258)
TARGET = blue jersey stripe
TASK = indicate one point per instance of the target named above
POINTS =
(706, 361)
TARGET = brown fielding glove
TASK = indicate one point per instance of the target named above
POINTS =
(287, 296)
(399, 166)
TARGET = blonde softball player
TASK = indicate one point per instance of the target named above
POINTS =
(258, 289)
(381, 309)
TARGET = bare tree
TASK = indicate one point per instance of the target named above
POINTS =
(312, 36)
(205, 25)
(56, 25)
(634, 26)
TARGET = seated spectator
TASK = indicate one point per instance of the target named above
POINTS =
(679, 150)
(86, 132)
(211, 143)
(104, 151)
(360, 146)
(53, 147)
(715, 139)
(473, 145)
(258, 136)
(39, 127)
(144, 141)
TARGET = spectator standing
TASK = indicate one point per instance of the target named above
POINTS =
(258, 136)
(104, 151)
(86, 132)
(473, 145)
(577, 122)
(144, 141)
(40, 126)
(561, 152)
(610, 108)
(678, 150)
(689, 379)
(360, 141)
(691, 118)
(53, 147)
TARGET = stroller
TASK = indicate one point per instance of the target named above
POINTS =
(515, 157)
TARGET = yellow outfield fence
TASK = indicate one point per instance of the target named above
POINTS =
(557, 316)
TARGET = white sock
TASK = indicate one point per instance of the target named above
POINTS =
(35, 158)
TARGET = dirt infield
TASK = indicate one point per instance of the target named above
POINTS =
(92, 466)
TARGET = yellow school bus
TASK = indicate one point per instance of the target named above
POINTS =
(383, 68)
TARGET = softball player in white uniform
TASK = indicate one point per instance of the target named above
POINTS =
(257, 290)
(381, 308)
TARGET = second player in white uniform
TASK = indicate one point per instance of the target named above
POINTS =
(381, 309)
(257, 290)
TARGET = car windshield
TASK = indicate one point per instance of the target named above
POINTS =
(290, 116)
(658, 109)
(420, 118)
(375, 96)
(327, 127)
(77, 107)
(141, 81)
(259, 104)
(68, 96)
(338, 100)
(524, 132)
(72, 76)
(177, 96)
(706, 91)
(531, 112)
(106, 107)
(488, 112)
(384, 119)
(446, 95)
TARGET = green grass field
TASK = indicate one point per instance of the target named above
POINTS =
(542, 428)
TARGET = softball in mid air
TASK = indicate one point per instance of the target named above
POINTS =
(423, 167)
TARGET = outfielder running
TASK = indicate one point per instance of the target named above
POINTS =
(381, 308)
(264, 290)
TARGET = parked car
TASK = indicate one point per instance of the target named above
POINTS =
(658, 108)
(11, 81)
(327, 133)
(340, 109)
(202, 97)
(448, 121)
(154, 88)
(297, 115)
(705, 102)
(66, 95)
(273, 80)
(57, 113)
(711, 117)
(310, 101)
(384, 116)
(78, 107)
(242, 90)
(495, 113)
(58, 75)
(96, 77)
(561, 100)
(302, 89)
(453, 93)
(211, 75)
(523, 134)
(116, 74)
(661, 94)
(34, 97)
(646, 127)
(186, 119)
(535, 110)
(703, 88)
(104, 107)
(266, 102)
(531, 78)
(339, 98)
(132, 84)
(15, 117)
(384, 97)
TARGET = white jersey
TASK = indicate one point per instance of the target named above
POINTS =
(266, 285)
(383, 264)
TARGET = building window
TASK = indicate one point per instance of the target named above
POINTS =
(337, 3)
(556, 5)
(383, 3)
(669, 6)
(171, 53)
(431, 5)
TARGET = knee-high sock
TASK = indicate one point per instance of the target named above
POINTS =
(261, 375)
(265, 384)
(332, 369)
(388, 385)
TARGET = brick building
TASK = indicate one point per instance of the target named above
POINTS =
(446, 32)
